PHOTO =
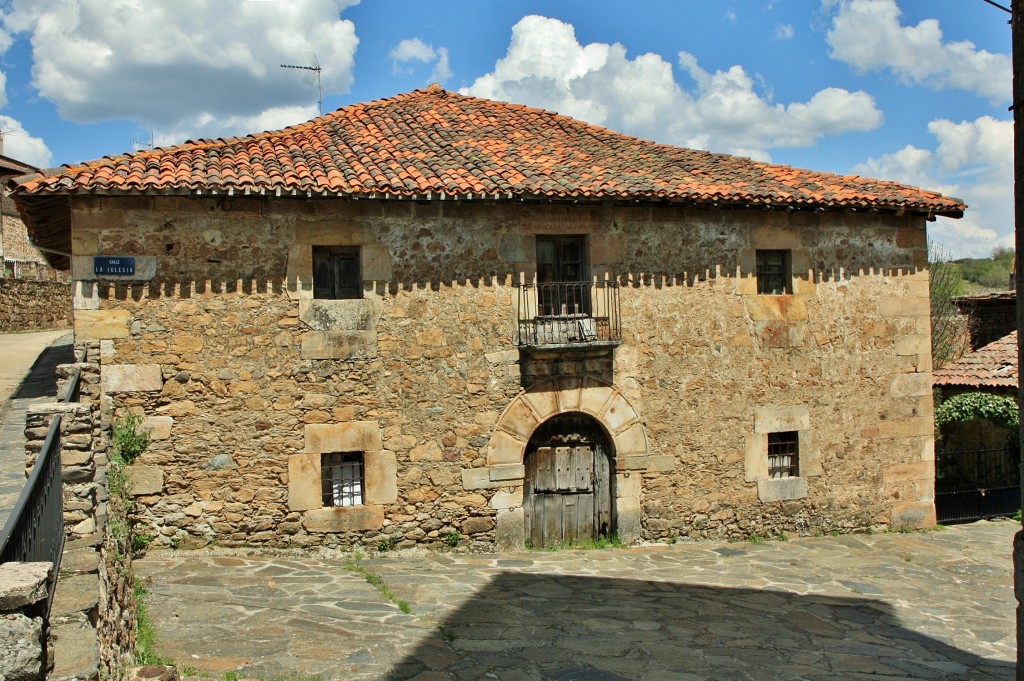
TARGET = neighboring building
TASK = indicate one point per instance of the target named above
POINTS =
(991, 369)
(20, 258)
(991, 315)
(978, 466)
(434, 314)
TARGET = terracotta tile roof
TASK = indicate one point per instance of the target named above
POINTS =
(433, 141)
(994, 365)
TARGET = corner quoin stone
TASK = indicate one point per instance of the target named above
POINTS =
(132, 378)
(101, 324)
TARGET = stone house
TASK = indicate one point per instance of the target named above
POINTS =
(436, 317)
(20, 258)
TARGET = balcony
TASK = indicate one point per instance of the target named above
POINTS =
(569, 314)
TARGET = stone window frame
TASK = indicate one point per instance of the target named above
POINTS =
(344, 328)
(380, 477)
(783, 419)
(775, 238)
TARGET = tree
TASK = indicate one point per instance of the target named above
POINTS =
(950, 329)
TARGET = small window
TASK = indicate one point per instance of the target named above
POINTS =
(336, 272)
(774, 272)
(784, 455)
(341, 478)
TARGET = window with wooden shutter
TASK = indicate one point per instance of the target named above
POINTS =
(774, 272)
(336, 272)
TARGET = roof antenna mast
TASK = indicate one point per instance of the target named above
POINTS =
(312, 77)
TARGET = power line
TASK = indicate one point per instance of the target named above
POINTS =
(996, 4)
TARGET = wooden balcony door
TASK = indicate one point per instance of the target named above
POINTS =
(562, 259)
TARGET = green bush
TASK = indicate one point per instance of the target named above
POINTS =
(128, 440)
(999, 409)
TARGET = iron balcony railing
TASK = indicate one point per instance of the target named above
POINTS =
(35, 530)
(569, 313)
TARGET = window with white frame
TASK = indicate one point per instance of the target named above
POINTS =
(341, 478)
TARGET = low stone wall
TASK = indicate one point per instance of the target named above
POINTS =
(93, 618)
(23, 596)
(30, 305)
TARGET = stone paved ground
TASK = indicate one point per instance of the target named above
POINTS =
(28, 363)
(931, 605)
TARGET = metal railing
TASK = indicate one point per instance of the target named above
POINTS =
(35, 529)
(975, 484)
(569, 313)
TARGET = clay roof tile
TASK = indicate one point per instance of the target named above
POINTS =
(990, 366)
(433, 140)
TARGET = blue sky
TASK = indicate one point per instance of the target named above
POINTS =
(907, 90)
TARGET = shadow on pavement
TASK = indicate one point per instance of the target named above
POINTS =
(565, 628)
(41, 380)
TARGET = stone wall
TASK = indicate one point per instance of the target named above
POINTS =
(244, 380)
(30, 305)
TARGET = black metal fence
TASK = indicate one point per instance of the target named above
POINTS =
(569, 312)
(976, 484)
(35, 529)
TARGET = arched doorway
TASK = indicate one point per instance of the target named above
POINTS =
(567, 488)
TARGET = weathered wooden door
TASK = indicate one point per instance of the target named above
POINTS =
(567, 493)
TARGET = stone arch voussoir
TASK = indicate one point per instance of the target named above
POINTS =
(560, 395)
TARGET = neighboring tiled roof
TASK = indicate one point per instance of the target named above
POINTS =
(994, 365)
(990, 297)
(12, 166)
(433, 141)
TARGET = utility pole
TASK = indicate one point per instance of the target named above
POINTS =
(1017, 36)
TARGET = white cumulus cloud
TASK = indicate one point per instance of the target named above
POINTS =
(868, 35)
(415, 50)
(972, 160)
(189, 67)
(20, 145)
(546, 66)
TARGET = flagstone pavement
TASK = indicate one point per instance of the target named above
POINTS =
(924, 605)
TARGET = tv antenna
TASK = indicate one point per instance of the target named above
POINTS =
(141, 143)
(313, 66)
(4, 135)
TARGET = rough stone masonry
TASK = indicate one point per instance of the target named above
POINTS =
(245, 379)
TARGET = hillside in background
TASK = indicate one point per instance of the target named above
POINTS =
(986, 274)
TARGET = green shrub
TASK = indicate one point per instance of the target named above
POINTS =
(999, 409)
(128, 440)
